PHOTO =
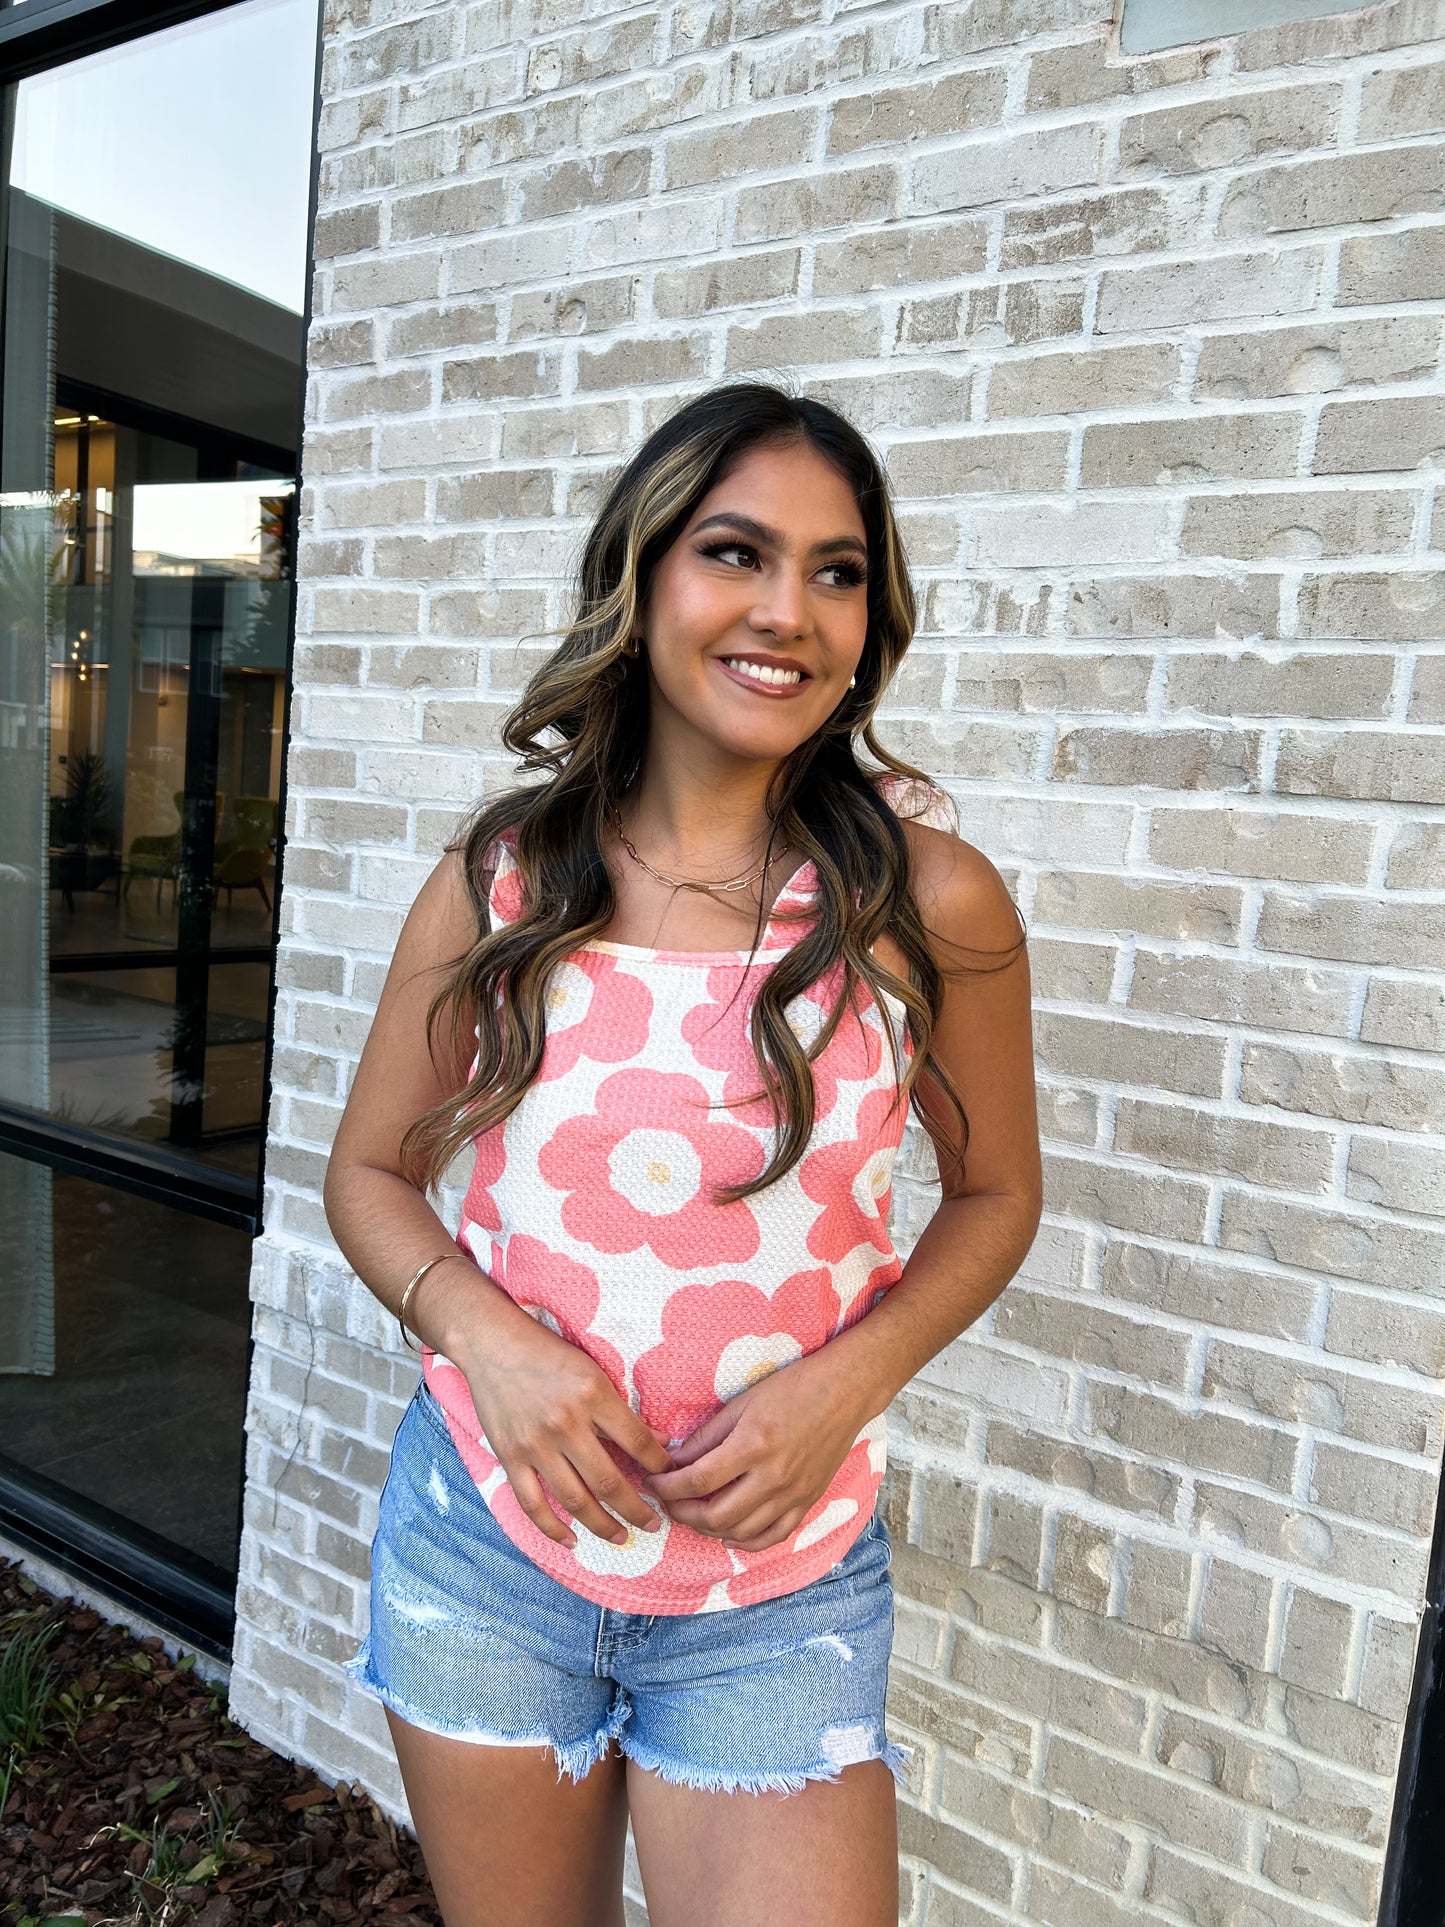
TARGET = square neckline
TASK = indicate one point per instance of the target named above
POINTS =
(649, 953)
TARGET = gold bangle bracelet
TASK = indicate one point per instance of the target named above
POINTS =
(411, 1286)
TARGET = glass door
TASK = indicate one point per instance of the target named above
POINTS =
(154, 261)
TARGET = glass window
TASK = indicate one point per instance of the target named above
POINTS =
(1149, 25)
(154, 286)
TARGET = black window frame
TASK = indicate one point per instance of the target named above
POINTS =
(174, 1589)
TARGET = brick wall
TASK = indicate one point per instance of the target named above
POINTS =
(1152, 347)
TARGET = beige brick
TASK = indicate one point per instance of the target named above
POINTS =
(991, 1805)
(950, 32)
(1315, 1237)
(1084, 1559)
(1315, 522)
(950, 1512)
(1318, 1637)
(1357, 929)
(1427, 696)
(1093, 1334)
(839, 197)
(1059, 1696)
(1267, 994)
(1417, 856)
(979, 464)
(689, 292)
(1374, 437)
(1406, 266)
(1226, 130)
(757, 142)
(1015, 313)
(956, 1852)
(1134, 220)
(819, 336)
(1147, 1202)
(1271, 1779)
(978, 173)
(1317, 356)
(1388, 1668)
(1355, 1087)
(603, 180)
(1080, 535)
(1160, 1583)
(1181, 1671)
(1381, 1491)
(1165, 607)
(1183, 1136)
(1389, 765)
(1384, 607)
(1403, 100)
(963, 1725)
(580, 308)
(1347, 1734)
(1377, 186)
(1404, 1013)
(1111, 1050)
(1182, 449)
(922, 110)
(1145, 905)
(463, 209)
(1318, 1392)
(1398, 1177)
(1202, 1892)
(1115, 1479)
(1081, 72)
(1295, 847)
(1179, 1809)
(1062, 384)
(1013, 1537)
(1178, 759)
(1310, 683)
(1343, 1553)
(1037, 681)
(1235, 1610)
(1222, 288)
(1325, 1873)
(1203, 1440)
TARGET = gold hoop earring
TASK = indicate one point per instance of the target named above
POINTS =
(632, 646)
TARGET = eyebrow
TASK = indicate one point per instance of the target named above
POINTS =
(775, 539)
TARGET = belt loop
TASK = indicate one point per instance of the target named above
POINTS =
(597, 1655)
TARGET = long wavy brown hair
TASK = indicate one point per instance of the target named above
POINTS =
(582, 727)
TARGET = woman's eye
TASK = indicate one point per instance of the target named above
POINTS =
(720, 549)
(852, 576)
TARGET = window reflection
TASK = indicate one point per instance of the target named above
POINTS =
(153, 276)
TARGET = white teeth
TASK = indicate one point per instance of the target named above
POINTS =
(763, 672)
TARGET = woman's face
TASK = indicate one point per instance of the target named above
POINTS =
(757, 614)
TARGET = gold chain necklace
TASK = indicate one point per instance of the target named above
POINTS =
(685, 883)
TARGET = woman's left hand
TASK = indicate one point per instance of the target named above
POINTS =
(751, 1473)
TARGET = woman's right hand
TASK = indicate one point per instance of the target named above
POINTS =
(545, 1407)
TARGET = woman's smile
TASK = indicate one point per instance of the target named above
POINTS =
(764, 675)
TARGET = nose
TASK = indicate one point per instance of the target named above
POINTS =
(781, 608)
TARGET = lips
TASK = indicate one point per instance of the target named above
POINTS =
(768, 675)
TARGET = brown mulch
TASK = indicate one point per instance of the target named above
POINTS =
(115, 1813)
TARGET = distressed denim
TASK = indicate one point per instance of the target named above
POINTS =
(471, 1639)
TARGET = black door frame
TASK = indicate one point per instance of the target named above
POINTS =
(171, 1587)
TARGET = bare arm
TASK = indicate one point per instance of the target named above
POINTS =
(542, 1401)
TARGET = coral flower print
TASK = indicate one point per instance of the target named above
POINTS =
(852, 1181)
(559, 1293)
(718, 1033)
(594, 1010)
(719, 1339)
(642, 1168)
(481, 1207)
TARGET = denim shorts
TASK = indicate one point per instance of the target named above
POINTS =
(470, 1638)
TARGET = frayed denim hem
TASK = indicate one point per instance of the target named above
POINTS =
(894, 1755)
(576, 1758)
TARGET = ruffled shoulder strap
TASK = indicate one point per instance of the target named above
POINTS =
(506, 900)
(917, 801)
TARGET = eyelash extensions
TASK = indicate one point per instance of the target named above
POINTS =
(854, 573)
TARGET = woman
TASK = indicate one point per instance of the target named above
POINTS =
(680, 990)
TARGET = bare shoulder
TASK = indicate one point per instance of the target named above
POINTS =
(962, 898)
(442, 923)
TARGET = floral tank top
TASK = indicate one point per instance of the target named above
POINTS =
(592, 1206)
